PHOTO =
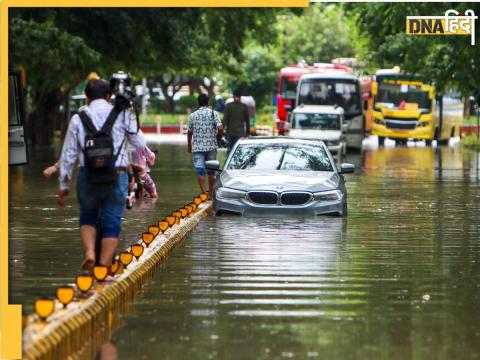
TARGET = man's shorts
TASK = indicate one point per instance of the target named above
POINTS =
(199, 159)
(102, 204)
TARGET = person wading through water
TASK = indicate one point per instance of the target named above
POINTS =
(97, 138)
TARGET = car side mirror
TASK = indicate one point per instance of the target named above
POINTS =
(345, 127)
(347, 168)
(213, 165)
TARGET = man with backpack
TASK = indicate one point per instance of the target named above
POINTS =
(97, 138)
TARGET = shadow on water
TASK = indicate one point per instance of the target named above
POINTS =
(399, 278)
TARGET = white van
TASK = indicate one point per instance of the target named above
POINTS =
(320, 122)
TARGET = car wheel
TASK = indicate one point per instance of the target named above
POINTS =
(381, 141)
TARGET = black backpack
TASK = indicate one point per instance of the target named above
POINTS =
(99, 151)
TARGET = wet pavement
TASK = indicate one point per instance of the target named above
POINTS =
(399, 278)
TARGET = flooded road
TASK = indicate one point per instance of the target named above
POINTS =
(399, 278)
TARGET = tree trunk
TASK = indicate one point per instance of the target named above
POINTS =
(169, 104)
(175, 83)
(42, 118)
(209, 88)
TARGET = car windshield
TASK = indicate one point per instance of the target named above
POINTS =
(343, 93)
(315, 121)
(299, 157)
(402, 96)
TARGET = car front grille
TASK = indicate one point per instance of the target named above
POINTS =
(263, 197)
(400, 124)
(295, 198)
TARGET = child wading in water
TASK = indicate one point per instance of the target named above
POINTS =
(138, 171)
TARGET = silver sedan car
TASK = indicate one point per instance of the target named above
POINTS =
(280, 175)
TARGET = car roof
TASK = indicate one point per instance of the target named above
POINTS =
(278, 140)
(313, 109)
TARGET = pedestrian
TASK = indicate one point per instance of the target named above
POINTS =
(140, 159)
(102, 180)
(236, 120)
(203, 126)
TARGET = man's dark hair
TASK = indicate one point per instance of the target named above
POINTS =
(97, 89)
(202, 100)
(237, 93)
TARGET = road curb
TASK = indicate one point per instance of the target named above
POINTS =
(78, 330)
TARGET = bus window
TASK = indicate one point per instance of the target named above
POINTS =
(17, 143)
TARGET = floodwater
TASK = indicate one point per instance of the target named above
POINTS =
(398, 279)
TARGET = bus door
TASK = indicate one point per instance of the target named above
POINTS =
(17, 141)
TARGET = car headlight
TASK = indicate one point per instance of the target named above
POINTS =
(226, 193)
(328, 195)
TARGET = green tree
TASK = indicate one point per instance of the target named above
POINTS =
(256, 74)
(54, 67)
(316, 34)
(320, 34)
(449, 61)
(191, 41)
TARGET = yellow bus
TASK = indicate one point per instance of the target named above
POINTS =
(406, 108)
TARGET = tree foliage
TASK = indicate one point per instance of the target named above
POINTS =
(450, 61)
(320, 34)
(55, 62)
(316, 34)
(256, 74)
(72, 42)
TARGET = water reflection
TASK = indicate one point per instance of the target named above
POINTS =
(398, 280)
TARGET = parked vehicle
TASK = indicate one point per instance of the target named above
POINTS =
(336, 89)
(320, 122)
(17, 139)
(288, 83)
(265, 175)
(405, 107)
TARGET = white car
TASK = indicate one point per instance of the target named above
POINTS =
(320, 122)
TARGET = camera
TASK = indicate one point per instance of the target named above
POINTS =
(120, 85)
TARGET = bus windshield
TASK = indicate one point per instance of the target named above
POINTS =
(313, 121)
(288, 87)
(398, 96)
(342, 92)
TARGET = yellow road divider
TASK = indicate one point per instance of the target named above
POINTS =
(60, 332)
